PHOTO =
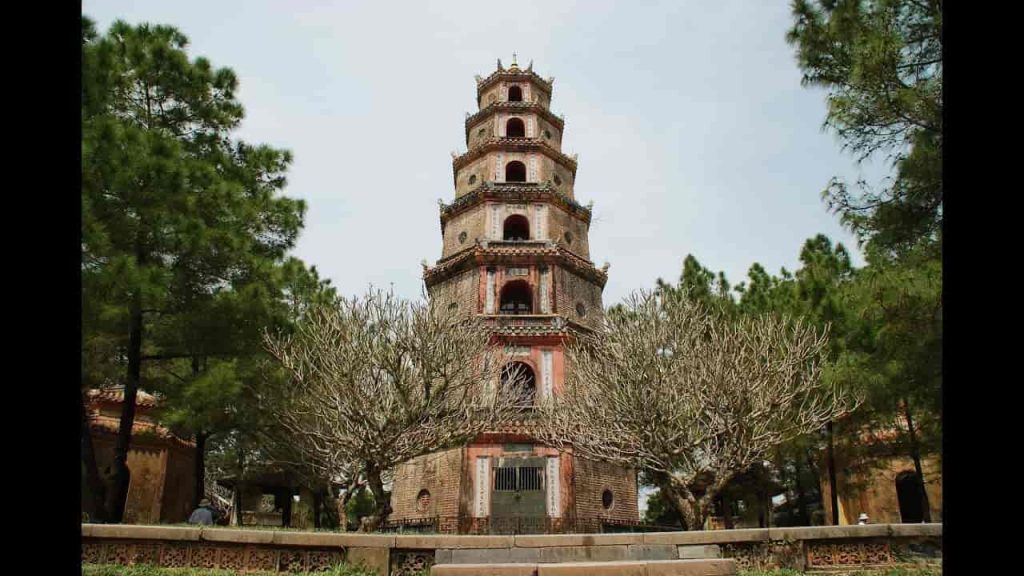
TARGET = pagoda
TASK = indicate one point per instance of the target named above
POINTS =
(515, 253)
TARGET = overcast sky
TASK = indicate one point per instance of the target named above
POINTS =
(693, 132)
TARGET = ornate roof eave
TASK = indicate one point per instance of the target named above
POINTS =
(115, 395)
(562, 329)
(141, 431)
(482, 253)
(514, 74)
(513, 145)
(493, 107)
(524, 191)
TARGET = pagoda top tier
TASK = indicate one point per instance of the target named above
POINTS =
(485, 87)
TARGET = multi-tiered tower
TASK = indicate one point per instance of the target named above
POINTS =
(516, 253)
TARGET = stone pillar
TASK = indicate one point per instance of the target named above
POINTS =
(554, 487)
(545, 371)
(489, 302)
(545, 293)
(482, 488)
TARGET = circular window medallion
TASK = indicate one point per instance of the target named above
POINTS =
(568, 237)
(547, 134)
(462, 237)
(481, 131)
(472, 179)
(607, 500)
(558, 181)
(581, 309)
(423, 500)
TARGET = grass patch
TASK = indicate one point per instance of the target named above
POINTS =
(115, 570)
(894, 571)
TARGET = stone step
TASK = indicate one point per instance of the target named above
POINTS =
(703, 567)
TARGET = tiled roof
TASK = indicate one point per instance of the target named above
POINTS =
(481, 253)
(514, 144)
(520, 191)
(514, 74)
(115, 395)
(142, 425)
(536, 107)
(111, 425)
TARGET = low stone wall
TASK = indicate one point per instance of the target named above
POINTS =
(809, 548)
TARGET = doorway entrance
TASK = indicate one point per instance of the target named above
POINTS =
(518, 496)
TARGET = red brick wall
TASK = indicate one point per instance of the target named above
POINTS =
(592, 478)
(438, 473)
(463, 289)
(571, 289)
(180, 486)
(162, 484)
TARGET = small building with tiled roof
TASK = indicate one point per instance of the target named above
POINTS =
(161, 464)
(877, 477)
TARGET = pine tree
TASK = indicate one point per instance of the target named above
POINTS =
(173, 209)
(881, 62)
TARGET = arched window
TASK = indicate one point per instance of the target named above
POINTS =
(515, 94)
(515, 171)
(516, 298)
(520, 375)
(515, 128)
(517, 227)
(908, 494)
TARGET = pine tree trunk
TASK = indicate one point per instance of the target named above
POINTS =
(236, 496)
(97, 489)
(286, 512)
(801, 497)
(236, 505)
(915, 453)
(831, 461)
(118, 493)
(317, 506)
(200, 468)
(200, 453)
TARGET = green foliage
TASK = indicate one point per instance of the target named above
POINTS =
(360, 505)
(881, 63)
(885, 340)
(892, 571)
(184, 231)
(660, 511)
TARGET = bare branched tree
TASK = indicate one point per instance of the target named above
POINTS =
(377, 381)
(690, 396)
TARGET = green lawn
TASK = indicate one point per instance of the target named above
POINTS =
(113, 570)
(898, 571)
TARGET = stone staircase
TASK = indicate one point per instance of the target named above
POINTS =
(583, 555)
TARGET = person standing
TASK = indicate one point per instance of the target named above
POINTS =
(203, 515)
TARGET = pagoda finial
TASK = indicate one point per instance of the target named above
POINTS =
(514, 64)
(499, 65)
(529, 67)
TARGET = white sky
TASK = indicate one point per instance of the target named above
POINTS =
(693, 132)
